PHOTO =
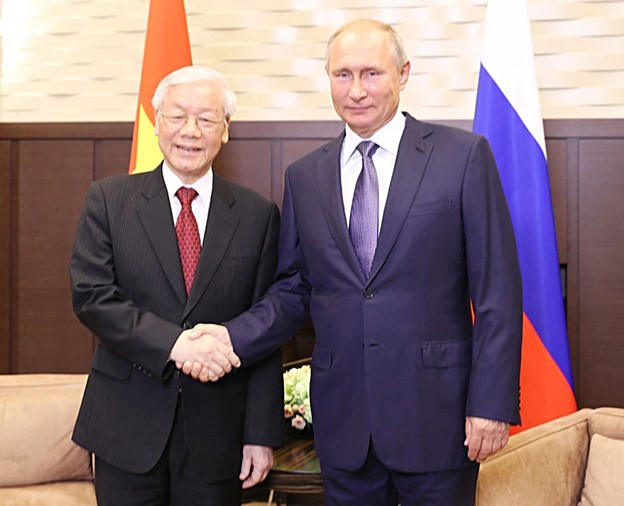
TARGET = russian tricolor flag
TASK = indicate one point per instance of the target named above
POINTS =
(508, 114)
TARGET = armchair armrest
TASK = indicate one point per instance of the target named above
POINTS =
(542, 465)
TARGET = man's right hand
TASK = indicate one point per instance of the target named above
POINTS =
(204, 356)
(197, 370)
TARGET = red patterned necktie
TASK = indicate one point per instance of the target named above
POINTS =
(188, 236)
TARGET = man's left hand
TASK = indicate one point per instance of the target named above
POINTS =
(257, 462)
(484, 437)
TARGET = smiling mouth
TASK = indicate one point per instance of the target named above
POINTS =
(188, 149)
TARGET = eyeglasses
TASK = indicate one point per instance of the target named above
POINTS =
(177, 121)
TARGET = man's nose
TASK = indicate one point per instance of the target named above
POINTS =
(358, 89)
(190, 127)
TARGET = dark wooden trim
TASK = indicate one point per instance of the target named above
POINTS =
(553, 128)
(584, 128)
(5, 247)
(52, 131)
(14, 274)
(572, 282)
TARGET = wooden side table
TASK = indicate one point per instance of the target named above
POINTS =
(295, 478)
(296, 475)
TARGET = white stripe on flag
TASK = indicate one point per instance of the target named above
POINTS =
(508, 58)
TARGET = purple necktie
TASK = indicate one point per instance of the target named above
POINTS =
(364, 221)
(188, 236)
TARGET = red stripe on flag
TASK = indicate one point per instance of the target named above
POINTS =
(545, 394)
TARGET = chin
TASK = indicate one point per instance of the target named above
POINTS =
(360, 127)
(360, 119)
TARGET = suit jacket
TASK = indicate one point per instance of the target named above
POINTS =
(397, 358)
(128, 288)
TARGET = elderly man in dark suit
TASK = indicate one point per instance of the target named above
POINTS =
(154, 255)
(389, 234)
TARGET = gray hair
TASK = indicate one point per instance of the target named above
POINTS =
(398, 50)
(193, 74)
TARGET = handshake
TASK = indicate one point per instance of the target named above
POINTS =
(205, 352)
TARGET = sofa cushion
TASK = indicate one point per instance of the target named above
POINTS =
(37, 415)
(28, 380)
(607, 422)
(51, 494)
(604, 485)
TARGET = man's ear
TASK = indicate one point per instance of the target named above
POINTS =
(405, 72)
(226, 131)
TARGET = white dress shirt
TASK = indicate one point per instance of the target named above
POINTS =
(387, 138)
(200, 204)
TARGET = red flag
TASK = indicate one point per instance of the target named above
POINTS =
(167, 48)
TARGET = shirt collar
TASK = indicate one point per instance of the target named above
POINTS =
(203, 186)
(387, 137)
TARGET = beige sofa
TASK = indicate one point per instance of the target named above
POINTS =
(576, 459)
(39, 464)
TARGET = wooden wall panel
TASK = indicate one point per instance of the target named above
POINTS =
(112, 157)
(290, 151)
(5, 226)
(60, 160)
(601, 269)
(53, 180)
(247, 162)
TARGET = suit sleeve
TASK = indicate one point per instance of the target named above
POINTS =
(137, 335)
(265, 390)
(495, 289)
(285, 306)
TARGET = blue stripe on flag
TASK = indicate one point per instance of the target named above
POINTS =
(524, 175)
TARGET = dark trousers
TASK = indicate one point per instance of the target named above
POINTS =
(376, 485)
(172, 482)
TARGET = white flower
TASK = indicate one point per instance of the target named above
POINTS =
(297, 396)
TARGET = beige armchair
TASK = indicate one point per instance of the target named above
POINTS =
(39, 464)
(574, 460)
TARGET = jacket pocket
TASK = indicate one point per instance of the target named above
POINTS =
(321, 358)
(437, 354)
(110, 364)
(440, 206)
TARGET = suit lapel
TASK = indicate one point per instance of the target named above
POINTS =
(409, 168)
(220, 228)
(330, 194)
(155, 216)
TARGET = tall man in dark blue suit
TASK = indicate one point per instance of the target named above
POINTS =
(403, 378)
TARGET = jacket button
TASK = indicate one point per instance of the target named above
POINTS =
(369, 294)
